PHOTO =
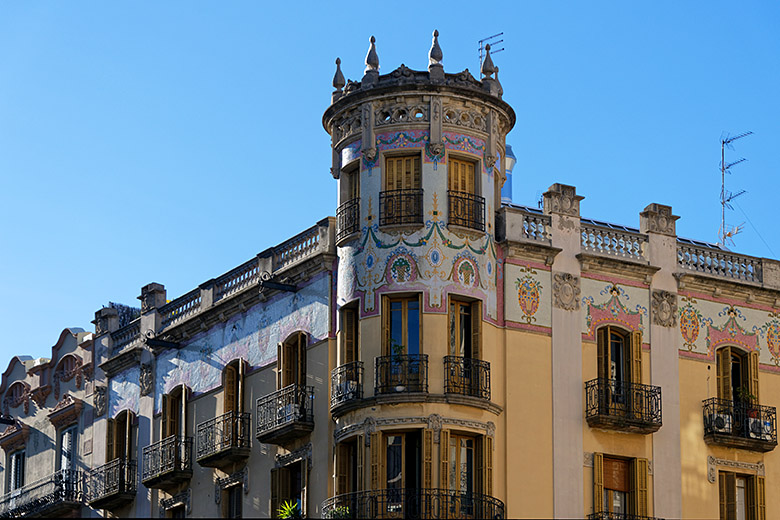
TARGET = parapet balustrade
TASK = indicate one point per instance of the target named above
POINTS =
(536, 226)
(126, 335)
(53, 495)
(181, 308)
(297, 248)
(236, 279)
(718, 262)
(611, 240)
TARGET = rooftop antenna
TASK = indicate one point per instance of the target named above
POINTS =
(493, 50)
(726, 196)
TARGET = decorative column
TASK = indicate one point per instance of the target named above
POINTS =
(659, 224)
(562, 203)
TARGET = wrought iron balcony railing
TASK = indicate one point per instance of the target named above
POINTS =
(467, 376)
(348, 219)
(621, 405)
(346, 383)
(112, 484)
(167, 461)
(740, 424)
(467, 210)
(286, 413)
(230, 432)
(400, 207)
(412, 503)
(401, 374)
(45, 497)
(619, 516)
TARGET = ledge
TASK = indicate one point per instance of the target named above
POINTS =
(745, 443)
(415, 397)
(123, 360)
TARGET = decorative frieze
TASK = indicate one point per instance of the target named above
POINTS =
(664, 308)
(566, 291)
(433, 421)
(713, 463)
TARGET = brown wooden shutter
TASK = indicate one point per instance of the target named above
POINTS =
(636, 357)
(229, 390)
(130, 421)
(342, 468)
(760, 499)
(274, 492)
(279, 365)
(166, 411)
(110, 440)
(723, 357)
(602, 336)
(376, 465)
(386, 348)
(753, 375)
(488, 458)
(301, 375)
(639, 486)
(722, 495)
(598, 482)
(304, 488)
(750, 499)
(183, 427)
(360, 452)
(349, 335)
(731, 495)
(427, 469)
(390, 175)
(240, 386)
(444, 456)
(476, 330)
(479, 465)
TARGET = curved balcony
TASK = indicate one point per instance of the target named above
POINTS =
(347, 219)
(346, 385)
(738, 424)
(467, 376)
(59, 494)
(224, 440)
(112, 485)
(619, 405)
(399, 207)
(167, 462)
(467, 210)
(412, 503)
(285, 414)
(401, 374)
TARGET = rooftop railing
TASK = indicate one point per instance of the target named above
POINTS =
(181, 308)
(236, 279)
(615, 241)
(717, 262)
(126, 335)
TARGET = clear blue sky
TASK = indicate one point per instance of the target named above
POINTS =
(171, 141)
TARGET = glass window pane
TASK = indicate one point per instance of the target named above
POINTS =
(397, 342)
(413, 326)
(394, 462)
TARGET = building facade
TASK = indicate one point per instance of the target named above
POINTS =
(433, 351)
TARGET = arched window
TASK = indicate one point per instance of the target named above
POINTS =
(120, 433)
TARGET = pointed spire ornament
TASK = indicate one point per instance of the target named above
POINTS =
(372, 59)
(500, 88)
(435, 55)
(338, 78)
(487, 64)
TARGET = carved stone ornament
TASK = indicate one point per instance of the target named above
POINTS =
(713, 463)
(587, 459)
(40, 394)
(657, 218)
(180, 499)
(99, 400)
(14, 436)
(369, 154)
(146, 379)
(563, 199)
(566, 291)
(436, 149)
(239, 477)
(664, 308)
(434, 423)
(490, 160)
(66, 412)
(23, 398)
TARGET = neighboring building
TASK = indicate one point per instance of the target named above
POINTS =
(433, 351)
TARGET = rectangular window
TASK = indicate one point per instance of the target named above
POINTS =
(16, 473)
(461, 461)
(461, 176)
(233, 502)
(465, 324)
(741, 497)
(289, 486)
(402, 173)
(619, 485)
(402, 327)
(68, 449)
(174, 409)
(349, 334)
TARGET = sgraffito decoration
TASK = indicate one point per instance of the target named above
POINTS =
(528, 294)
(771, 332)
(124, 391)
(731, 333)
(691, 323)
(401, 266)
(613, 311)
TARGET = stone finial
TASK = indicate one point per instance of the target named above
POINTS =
(498, 83)
(435, 55)
(152, 296)
(657, 218)
(106, 320)
(338, 78)
(372, 59)
(563, 199)
(487, 64)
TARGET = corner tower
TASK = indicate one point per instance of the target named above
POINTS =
(420, 161)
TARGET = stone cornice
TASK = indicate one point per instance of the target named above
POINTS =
(740, 290)
(66, 412)
(14, 436)
(601, 264)
(123, 360)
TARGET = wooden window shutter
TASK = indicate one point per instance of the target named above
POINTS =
(229, 390)
(452, 175)
(488, 460)
(240, 386)
(427, 469)
(183, 427)
(639, 486)
(390, 175)
(444, 456)
(129, 436)
(636, 357)
(750, 498)
(304, 487)
(349, 335)
(166, 412)
(360, 452)
(386, 349)
(730, 493)
(603, 352)
(342, 468)
(376, 466)
(722, 495)
(301, 376)
(417, 173)
(476, 330)
(279, 365)
(598, 482)
(753, 376)
(274, 492)
(479, 466)
(760, 498)
(110, 440)
(723, 357)
(470, 185)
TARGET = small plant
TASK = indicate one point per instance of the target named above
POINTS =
(339, 512)
(744, 395)
(289, 509)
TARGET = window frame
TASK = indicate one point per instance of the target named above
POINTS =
(387, 341)
(750, 374)
(638, 498)
(466, 161)
(73, 431)
(14, 481)
(475, 326)
(402, 155)
(755, 495)
(291, 360)
(349, 319)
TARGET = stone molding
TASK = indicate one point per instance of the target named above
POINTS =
(713, 463)
(664, 308)
(657, 218)
(15, 436)
(562, 199)
(180, 499)
(40, 394)
(66, 412)
(239, 477)
(302, 453)
(566, 291)
(433, 421)
(23, 399)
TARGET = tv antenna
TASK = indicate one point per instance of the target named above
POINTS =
(493, 42)
(727, 196)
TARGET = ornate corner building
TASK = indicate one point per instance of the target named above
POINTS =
(433, 351)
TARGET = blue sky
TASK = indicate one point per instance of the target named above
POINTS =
(170, 142)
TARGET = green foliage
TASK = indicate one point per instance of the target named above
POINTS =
(339, 512)
(289, 509)
(744, 395)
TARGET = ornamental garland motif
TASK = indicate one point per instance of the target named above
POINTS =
(613, 311)
(731, 332)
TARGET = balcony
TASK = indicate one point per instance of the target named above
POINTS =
(738, 424)
(167, 463)
(624, 406)
(346, 385)
(412, 503)
(467, 376)
(112, 485)
(347, 219)
(466, 210)
(401, 374)
(224, 440)
(398, 207)
(619, 516)
(285, 414)
(59, 494)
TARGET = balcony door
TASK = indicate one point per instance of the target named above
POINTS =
(174, 412)
(291, 361)
(619, 365)
(231, 427)
(401, 344)
(403, 461)
(119, 437)
(465, 331)
(737, 375)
